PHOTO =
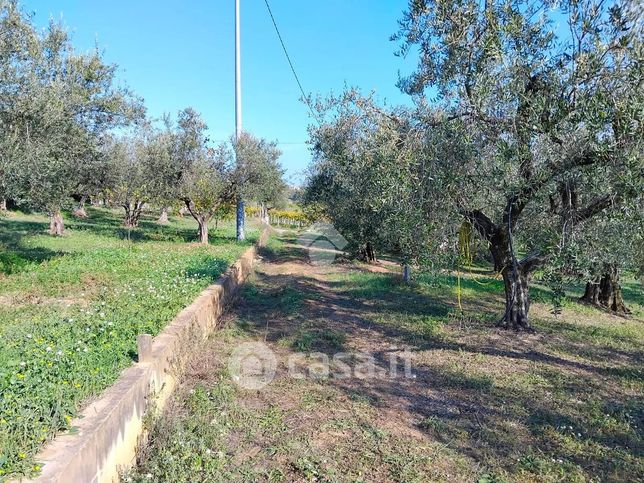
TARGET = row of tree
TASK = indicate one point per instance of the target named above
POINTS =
(69, 132)
(177, 163)
(526, 129)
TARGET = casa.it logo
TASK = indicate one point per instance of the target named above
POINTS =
(322, 243)
(252, 365)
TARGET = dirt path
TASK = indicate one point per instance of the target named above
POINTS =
(366, 386)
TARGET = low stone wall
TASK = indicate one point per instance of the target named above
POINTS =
(110, 429)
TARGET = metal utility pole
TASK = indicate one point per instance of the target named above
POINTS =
(241, 235)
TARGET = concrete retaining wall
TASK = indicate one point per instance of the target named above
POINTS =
(110, 428)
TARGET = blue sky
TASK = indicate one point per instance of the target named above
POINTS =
(177, 54)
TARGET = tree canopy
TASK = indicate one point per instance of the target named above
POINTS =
(69, 131)
(521, 129)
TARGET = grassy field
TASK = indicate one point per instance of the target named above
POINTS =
(71, 308)
(563, 404)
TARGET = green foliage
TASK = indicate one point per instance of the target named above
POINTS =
(364, 179)
(57, 105)
(205, 186)
(533, 133)
(58, 137)
(210, 182)
(258, 174)
(71, 308)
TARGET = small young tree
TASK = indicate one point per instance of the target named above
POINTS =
(258, 174)
(207, 186)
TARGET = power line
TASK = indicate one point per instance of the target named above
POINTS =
(288, 57)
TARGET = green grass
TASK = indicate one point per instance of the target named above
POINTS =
(485, 404)
(71, 308)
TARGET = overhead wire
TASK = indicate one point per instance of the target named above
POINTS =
(290, 63)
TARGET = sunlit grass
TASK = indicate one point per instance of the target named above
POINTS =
(71, 308)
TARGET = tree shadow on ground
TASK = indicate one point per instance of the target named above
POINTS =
(212, 271)
(505, 428)
(15, 253)
(504, 400)
(108, 223)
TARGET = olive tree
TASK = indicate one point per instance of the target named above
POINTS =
(132, 172)
(195, 173)
(93, 177)
(258, 174)
(165, 168)
(365, 175)
(207, 186)
(64, 103)
(541, 107)
(17, 41)
(213, 178)
(604, 249)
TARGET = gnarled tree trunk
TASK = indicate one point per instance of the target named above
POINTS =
(517, 298)
(3, 204)
(56, 224)
(163, 218)
(367, 253)
(133, 211)
(202, 221)
(80, 211)
(516, 273)
(591, 294)
(606, 292)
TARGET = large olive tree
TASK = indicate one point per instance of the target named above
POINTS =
(550, 93)
(361, 174)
